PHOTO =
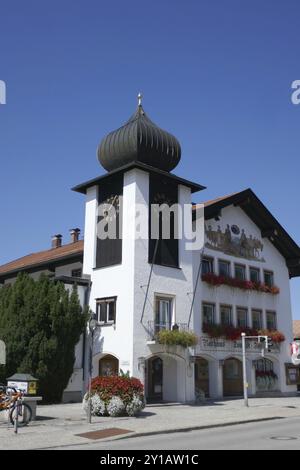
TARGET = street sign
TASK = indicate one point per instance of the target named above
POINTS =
(2, 353)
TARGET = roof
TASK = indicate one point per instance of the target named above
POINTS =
(43, 259)
(296, 328)
(83, 187)
(262, 217)
(139, 139)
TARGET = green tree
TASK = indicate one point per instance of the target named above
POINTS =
(41, 323)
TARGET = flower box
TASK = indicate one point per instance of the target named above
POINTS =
(217, 281)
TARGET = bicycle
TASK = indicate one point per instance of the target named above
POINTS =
(12, 401)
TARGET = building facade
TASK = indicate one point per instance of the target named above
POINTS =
(236, 279)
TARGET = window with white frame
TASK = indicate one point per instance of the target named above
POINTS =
(241, 317)
(207, 265)
(163, 312)
(240, 272)
(269, 278)
(208, 313)
(257, 319)
(106, 310)
(271, 320)
(224, 268)
(226, 315)
(255, 275)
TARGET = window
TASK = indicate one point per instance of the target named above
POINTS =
(254, 275)
(271, 320)
(257, 319)
(240, 272)
(226, 315)
(106, 310)
(163, 313)
(269, 278)
(76, 272)
(263, 365)
(241, 317)
(208, 314)
(207, 265)
(224, 268)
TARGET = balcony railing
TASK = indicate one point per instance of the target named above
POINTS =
(154, 328)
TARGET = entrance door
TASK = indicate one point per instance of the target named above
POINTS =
(232, 378)
(155, 379)
(202, 376)
(108, 365)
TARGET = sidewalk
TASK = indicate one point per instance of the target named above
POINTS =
(58, 426)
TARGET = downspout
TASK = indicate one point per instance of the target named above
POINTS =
(85, 304)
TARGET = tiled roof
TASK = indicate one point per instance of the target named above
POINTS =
(213, 201)
(42, 258)
(296, 328)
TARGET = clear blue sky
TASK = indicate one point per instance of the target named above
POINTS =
(216, 73)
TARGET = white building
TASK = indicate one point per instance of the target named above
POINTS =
(137, 286)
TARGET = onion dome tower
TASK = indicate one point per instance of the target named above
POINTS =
(139, 140)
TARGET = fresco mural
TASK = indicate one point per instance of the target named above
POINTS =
(234, 241)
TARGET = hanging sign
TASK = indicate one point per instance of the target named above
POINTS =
(2, 353)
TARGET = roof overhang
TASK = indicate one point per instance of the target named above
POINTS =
(83, 187)
(267, 223)
(47, 265)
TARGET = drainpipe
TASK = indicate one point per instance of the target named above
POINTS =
(85, 304)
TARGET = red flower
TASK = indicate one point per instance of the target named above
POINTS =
(215, 280)
(123, 387)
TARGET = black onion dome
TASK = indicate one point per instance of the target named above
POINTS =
(139, 140)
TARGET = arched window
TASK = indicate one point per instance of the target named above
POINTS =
(108, 365)
(264, 365)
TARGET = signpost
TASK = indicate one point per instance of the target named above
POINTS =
(265, 341)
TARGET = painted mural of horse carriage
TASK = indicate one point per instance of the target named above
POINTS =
(235, 242)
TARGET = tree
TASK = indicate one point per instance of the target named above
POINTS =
(41, 323)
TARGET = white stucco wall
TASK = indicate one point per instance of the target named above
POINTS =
(127, 339)
(280, 303)
(116, 280)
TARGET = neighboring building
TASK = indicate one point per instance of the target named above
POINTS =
(64, 263)
(137, 286)
(296, 329)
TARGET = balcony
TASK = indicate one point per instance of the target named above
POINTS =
(154, 328)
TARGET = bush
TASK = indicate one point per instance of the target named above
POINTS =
(115, 396)
(41, 323)
(185, 339)
(135, 406)
(98, 407)
(124, 387)
(115, 407)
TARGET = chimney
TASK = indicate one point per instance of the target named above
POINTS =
(56, 241)
(75, 232)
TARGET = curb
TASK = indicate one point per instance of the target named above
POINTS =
(192, 428)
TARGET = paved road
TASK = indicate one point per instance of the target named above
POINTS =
(276, 435)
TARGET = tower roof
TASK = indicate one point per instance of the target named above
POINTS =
(139, 140)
